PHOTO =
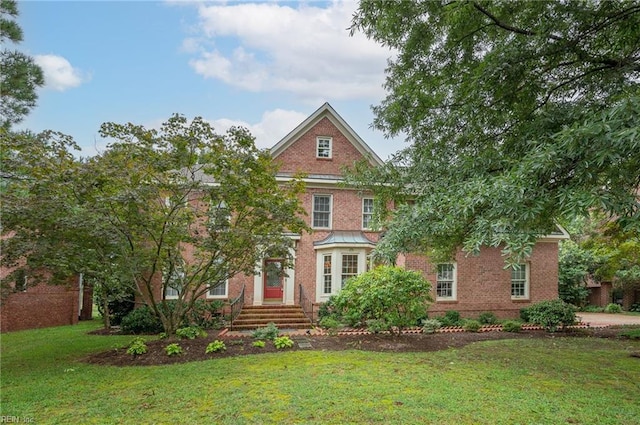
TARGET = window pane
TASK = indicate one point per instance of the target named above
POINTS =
(321, 210)
(367, 212)
(324, 148)
(326, 274)
(349, 267)
(218, 290)
(444, 281)
(519, 280)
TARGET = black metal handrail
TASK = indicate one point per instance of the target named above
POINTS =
(236, 307)
(306, 304)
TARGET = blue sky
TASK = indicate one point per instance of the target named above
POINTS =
(262, 65)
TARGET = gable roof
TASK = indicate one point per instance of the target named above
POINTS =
(327, 111)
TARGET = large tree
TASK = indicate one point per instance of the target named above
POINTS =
(519, 115)
(179, 210)
(19, 76)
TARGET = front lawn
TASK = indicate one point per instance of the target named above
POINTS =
(547, 381)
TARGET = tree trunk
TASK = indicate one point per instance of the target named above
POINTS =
(106, 313)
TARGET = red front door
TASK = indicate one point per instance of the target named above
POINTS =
(273, 280)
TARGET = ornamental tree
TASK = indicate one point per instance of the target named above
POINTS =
(518, 115)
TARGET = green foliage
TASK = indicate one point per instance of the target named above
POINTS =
(190, 332)
(524, 315)
(613, 308)
(635, 307)
(21, 76)
(451, 318)
(508, 136)
(511, 326)
(206, 314)
(327, 308)
(215, 346)
(430, 326)
(488, 318)
(259, 344)
(137, 347)
(592, 309)
(173, 349)
(141, 321)
(282, 342)
(269, 332)
(471, 325)
(392, 296)
(576, 264)
(552, 314)
(329, 322)
(630, 333)
(377, 325)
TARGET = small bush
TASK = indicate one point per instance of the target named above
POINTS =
(592, 309)
(630, 333)
(635, 307)
(450, 318)
(429, 326)
(552, 314)
(613, 308)
(259, 344)
(472, 326)
(137, 347)
(377, 325)
(141, 321)
(215, 346)
(283, 342)
(173, 349)
(511, 326)
(488, 318)
(524, 315)
(329, 323)
(269, 332)
(206, 314)
(190, 332)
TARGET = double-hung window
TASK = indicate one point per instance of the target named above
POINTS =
(349, 267)
(327, 274)
(321, 211)
(367, 212)
(218, 291)
(520, 281)
(446, 282)
(323, 147)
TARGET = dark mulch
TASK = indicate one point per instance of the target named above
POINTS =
(194, 350)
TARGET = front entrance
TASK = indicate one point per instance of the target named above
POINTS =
(273, 280)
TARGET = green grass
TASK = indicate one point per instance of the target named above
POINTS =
(551, 381)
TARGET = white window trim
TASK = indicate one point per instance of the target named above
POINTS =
(323, 138)
(527, 283)
(219, 297)
(454, 284)
(313, 210)
(363, 213)
(336, 268)
(170, 297)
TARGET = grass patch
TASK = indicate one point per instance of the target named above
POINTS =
(495, 382)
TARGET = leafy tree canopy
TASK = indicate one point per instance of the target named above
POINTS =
(519, 115)
(20, 76)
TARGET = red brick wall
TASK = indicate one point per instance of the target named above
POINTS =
(300, 156)
(40, 307)
(483, 284)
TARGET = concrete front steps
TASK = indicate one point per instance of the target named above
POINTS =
(284, 316)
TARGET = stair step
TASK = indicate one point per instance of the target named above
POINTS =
(283, 316)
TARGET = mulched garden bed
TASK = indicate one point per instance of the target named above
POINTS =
(194, 350)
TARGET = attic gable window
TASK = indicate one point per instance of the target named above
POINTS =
(323, 147)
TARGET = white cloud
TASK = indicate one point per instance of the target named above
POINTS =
(273, 126)
(58, 73)
(305, 50)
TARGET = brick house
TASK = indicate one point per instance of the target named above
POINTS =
(43, 305)
(341, 241)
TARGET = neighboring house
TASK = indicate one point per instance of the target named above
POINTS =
(340, 244)
(43, 305)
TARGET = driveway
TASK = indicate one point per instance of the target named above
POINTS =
(604, 319)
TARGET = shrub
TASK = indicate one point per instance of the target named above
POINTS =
(190, 332)
(392, 295)
(377, 325)
(206, 314)
(330, 323)
(137, 347)
(613, 308)
(283, 342)
(592, 309)
(472, 325)
(141, 321)
(630, 333)
(268, 332)
(173, 349)
(488, 318)
(215, 346)
(511, 326)
(327, 309)
(635, 307)
(429, 326)
(259, 344)
(552, 314)
(450, 318)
